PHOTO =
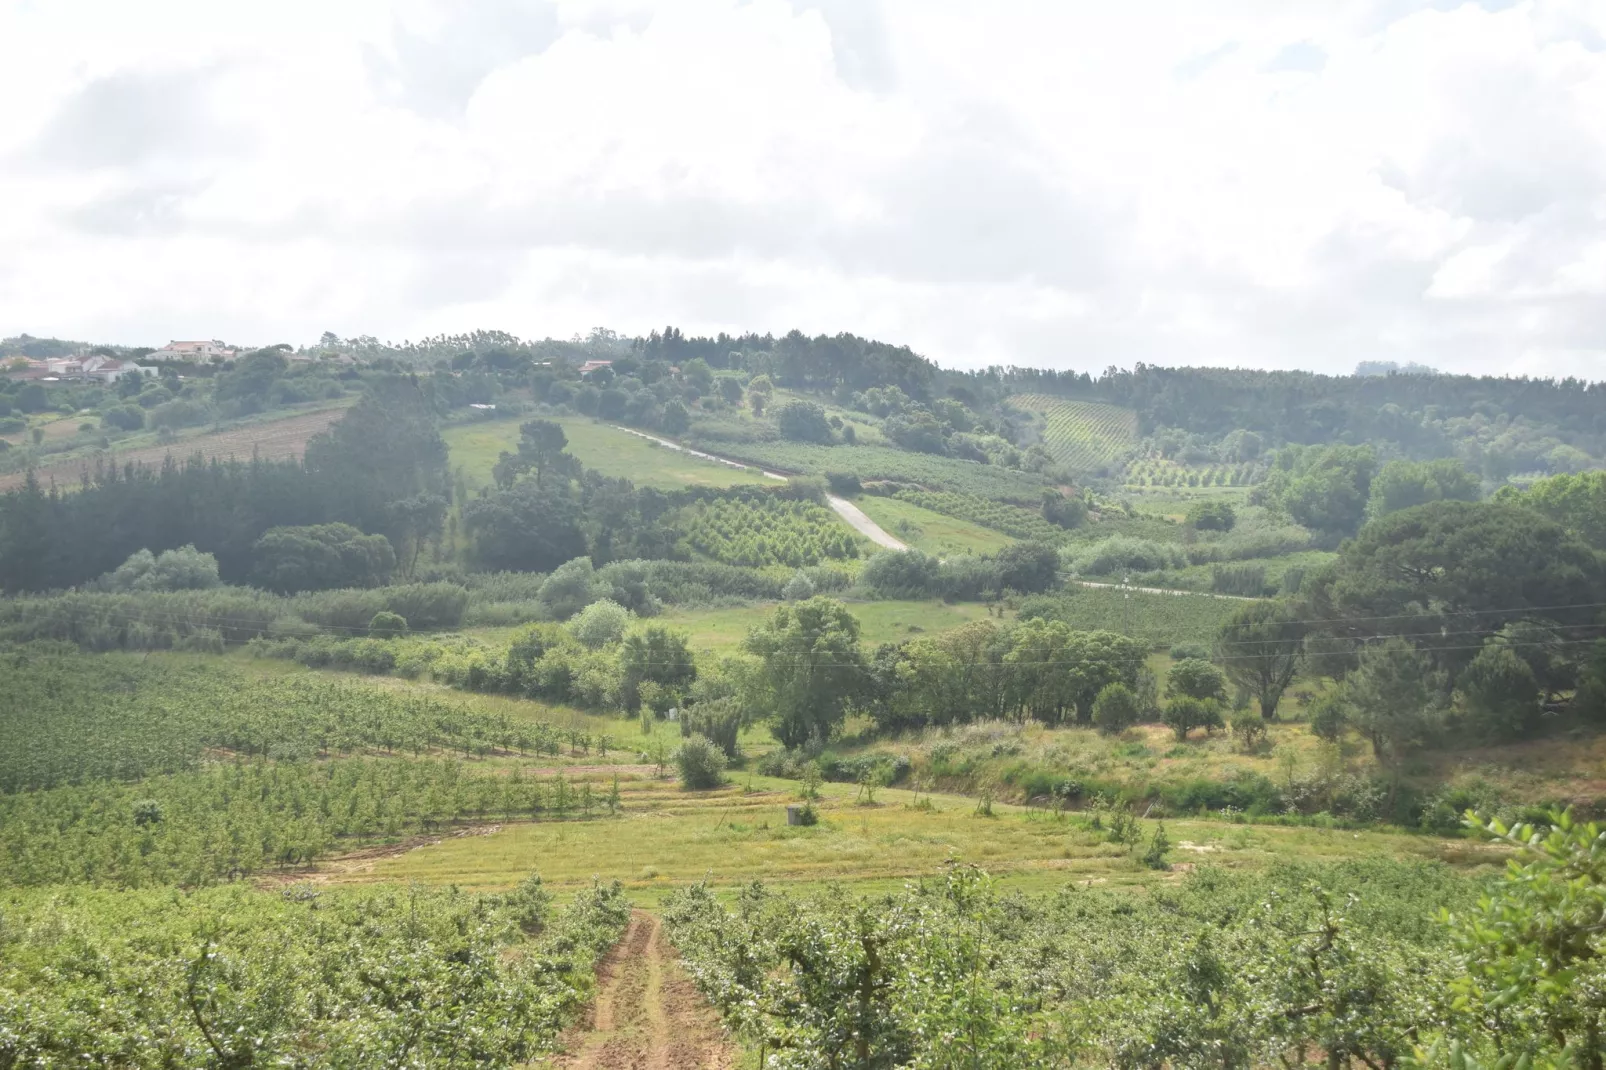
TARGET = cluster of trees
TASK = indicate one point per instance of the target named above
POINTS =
(1339, 966)
(1335, 489)
(759, 529)
(380, 469)
(1497, 425)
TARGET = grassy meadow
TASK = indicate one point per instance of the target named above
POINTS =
(665, 837)
(475, 448)
(931, 532)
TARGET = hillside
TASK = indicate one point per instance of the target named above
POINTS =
(488, 662)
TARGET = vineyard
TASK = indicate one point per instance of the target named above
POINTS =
(71, 719)
(234, 977)
(1083, 435)
(1219, 969)
(231, 820)
(1009, 519)
(765, 530)
(1162, 472)
(1157, 619)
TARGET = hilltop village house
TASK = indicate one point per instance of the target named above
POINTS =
(207, 350)
(106, 369)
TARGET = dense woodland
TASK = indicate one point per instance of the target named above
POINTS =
(1345, 578)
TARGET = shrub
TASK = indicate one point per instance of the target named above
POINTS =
(718, 720)
(1116, 709)
(1211, 516)
(600, 623)
(803, 421)
(1197, 678)
(1249, 728)
(387, 625)
(1120, 553)
(1184, 713)
(798, 587)
(183, 569)
(1329, 716)
(845, 484)
(701, 764)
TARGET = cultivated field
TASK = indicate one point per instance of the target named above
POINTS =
(476, 447)
(1082, 434)
(928, 531)
(271, 439)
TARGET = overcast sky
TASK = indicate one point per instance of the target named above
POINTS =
(1065, 182)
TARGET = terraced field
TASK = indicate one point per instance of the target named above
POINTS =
(1085, 435)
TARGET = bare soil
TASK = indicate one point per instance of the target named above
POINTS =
(271, 441)
(647, 1014)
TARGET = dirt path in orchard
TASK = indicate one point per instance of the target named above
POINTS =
(647, 1014)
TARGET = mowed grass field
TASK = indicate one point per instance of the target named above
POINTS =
(665, 837)
(722, 630)
(931, 532)
(476, 447)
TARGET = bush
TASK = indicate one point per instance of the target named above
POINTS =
(798, 587)
(1211, 516)
(845, 484)
(124, 418)
(1184, 713)
(183, 569)
(600, 623)
(803, 421)
(1329, 716)
(1121, 553)
(1116, 709)
(387, 625)
(717, 720)
(1197, 678)
(701, 764)
(1249, 728)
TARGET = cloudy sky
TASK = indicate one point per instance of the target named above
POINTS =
(1049, 182)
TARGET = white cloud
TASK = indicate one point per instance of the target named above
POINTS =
(1245, 182)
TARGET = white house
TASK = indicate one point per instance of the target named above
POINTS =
(106, 369)
(206, 350)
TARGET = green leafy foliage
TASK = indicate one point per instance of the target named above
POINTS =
(764, 530)
(75, 718)
(989, 513)
(1221, 969)
(236, 977)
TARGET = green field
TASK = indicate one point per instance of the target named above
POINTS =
(722, 630)
(931, 532)
(666, 837)
(475, 448)
(1082, 434)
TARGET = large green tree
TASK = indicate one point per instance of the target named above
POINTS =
(1324, 488)
(321, 556)
(1260, 647)
(1394, 697)
(810, 669)
(1449, 573)
(1404, 484)
(1576, 502)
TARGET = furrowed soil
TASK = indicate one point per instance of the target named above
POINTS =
(272, 441)
(647, 1014)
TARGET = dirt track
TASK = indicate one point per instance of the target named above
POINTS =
(271, 441)
(647, 1014)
